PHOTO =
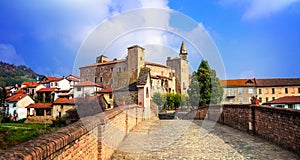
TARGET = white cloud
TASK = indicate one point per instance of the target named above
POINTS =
(263, 8)
(8, 54)
(256, 9)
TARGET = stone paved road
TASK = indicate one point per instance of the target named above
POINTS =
(179, 139)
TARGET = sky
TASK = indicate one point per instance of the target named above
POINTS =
(249, 38)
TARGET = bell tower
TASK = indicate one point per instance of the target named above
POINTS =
(183, 53)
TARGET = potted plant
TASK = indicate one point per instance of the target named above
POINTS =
(254, 100)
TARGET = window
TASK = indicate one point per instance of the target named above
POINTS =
(79, 89)
(108, 106)
(273, 98)
(286, 90)
(267, 99)
(298, 90)
(273, 90)
(48, 111)
(240, 100)
(101, 79)
(260, 100)
(95, 79)
(112, 69)
(110, 96)
(230, 91)
(259, 91)
(240, 90)
(250, 91)
(120, 69)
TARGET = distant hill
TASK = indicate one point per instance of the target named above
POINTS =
(12, 75)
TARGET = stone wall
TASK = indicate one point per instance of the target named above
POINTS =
(93, 137)
(278, 125)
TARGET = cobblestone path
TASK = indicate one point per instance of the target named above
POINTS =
(180, 139)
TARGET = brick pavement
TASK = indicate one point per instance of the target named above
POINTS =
(180, 139)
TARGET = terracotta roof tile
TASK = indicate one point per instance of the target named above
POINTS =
(51, 79)
(105, 63)
(86, 83)
(16, 97)
(30, 84)
(64, 101)
(106, 90)
(40, 105)
(285, 100)
(46, 90)
(156, 64)
(238, 82)
(273, 82)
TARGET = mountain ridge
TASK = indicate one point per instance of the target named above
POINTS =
(11, 74)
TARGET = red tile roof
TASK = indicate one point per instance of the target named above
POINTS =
(51, 79)
(156, 64)
(285, 100)
(30, 84)
(105, 63)
(16, 97)
(64, 101)
(273, 82)
(106, 90)
(238, 82)
(40, 105)
(19, 91)
(46, 90)
(86, 83)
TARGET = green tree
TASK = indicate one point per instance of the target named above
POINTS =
(205, 86)
(3, 95)
(158, 99)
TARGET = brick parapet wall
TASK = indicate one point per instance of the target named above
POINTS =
(93, 137)
(278, 125)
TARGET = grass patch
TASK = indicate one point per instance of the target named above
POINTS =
(12, 134)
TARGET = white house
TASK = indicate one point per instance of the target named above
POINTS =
(86, 88)
(285, 102)
(17, 104)
(73, 79)
(144, 91)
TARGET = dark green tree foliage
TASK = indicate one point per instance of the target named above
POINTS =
(11, 74)
(205, 86)
(169, 100)
(158, 99)
(3, 95)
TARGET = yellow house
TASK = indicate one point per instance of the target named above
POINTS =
(271, 89)
(108, 96)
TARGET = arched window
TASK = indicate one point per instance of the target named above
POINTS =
(147, 92)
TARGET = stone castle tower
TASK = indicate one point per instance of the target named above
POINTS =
(181, 67)
(135, 60)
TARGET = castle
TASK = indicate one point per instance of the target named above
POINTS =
(131, 73)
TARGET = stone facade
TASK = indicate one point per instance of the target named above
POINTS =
(181, 67)
(118, 74)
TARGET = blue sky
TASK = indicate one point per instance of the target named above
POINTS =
(255, 38)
